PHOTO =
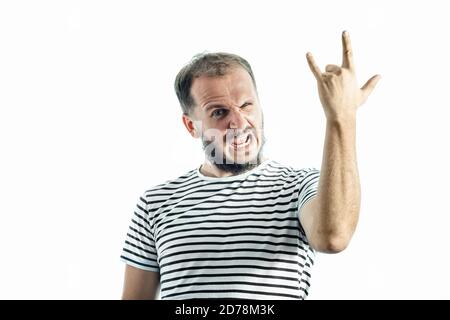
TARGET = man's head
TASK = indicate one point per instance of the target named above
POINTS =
(219, 99)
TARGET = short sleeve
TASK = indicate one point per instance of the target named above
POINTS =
(309, 184)
(139, 249)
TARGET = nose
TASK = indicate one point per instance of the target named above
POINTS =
(237, 120)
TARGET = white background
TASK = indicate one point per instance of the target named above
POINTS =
(89, 120)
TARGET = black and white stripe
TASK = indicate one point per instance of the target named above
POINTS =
(234, 237)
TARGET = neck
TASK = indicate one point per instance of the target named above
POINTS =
(209, 169)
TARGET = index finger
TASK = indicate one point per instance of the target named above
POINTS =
(347, 52)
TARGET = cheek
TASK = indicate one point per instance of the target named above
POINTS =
(215, 124)
(214, 129)
(214, 134)
(257, 124)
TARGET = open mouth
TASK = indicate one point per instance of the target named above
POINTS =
(241, 142)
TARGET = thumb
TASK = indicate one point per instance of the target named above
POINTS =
(368, 87)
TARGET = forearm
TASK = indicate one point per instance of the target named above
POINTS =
(339, 188)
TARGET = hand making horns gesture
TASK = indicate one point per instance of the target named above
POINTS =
(338, 89)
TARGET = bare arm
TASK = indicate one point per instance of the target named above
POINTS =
(140, 284)
(330, 218)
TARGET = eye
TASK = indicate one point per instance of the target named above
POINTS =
(218, 113)
(246, 104)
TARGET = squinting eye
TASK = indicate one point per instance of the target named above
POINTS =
(246, 104)
(218, 113)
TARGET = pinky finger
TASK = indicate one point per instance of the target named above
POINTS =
(313, 66)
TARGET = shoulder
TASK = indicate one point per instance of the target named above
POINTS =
(170, 186)
(290, 171)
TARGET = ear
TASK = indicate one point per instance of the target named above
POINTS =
(190, 126)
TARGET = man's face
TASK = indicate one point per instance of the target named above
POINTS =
(228, 117)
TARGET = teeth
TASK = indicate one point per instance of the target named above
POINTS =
(240, 140)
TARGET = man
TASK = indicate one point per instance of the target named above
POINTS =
(241, 225)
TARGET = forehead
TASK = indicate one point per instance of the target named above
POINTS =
(234, 85)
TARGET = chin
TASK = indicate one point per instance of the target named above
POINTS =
(243, 158)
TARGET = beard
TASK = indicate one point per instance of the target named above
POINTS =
(214, 153)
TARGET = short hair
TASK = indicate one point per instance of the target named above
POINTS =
(213, 64)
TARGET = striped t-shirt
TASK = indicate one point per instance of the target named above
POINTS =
(233, 237)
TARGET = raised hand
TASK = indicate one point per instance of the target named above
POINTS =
(338, 89)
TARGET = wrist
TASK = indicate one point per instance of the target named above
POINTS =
(342, 120)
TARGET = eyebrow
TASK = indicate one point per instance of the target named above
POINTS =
(213, 106)
(218, 105)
